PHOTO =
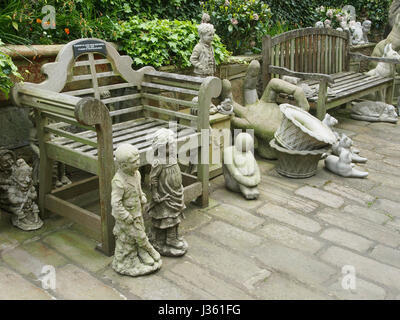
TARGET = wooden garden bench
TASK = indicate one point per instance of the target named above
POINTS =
(321, 56)
(89, 86)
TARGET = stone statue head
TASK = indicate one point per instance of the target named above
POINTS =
(244, 142)
(128, 158)
(7, 160)
(346, 142)
(390, 112)
(319, 24)
(366, 25)
(327, 23)
(206, 33)
(164, 142)
(205, 18)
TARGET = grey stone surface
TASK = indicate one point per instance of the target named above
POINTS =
(15, 125)
(366, 267)
(323, 197)
(366, 213)
(360, 226)
(289, 217)
(388, 255)
(349, 193)
(346, 239)
(290, 238)
(364, 291)
(388, 206)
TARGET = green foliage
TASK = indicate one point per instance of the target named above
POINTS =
(240, 23)
(7, 71)
(162, 42)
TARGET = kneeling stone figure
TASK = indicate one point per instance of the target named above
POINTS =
(241, 171)
(134, 255)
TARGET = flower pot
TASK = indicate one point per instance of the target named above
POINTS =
(301, 131)
(297, 164)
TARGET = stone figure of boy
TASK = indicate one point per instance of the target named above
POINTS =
(134, 255)
(203, 53)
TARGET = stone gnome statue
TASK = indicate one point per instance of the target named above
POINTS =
(342, 165)
(241, 171)
(134, 255)
(202, 57)
(18, 193)
(166, 208)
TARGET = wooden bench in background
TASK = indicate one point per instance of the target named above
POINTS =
(91, 87)
(322, 57)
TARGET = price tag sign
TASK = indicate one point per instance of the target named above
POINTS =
(86, 46)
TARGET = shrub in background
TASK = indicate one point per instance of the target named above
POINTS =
(7, 70)
(241, 24)
(162, 42)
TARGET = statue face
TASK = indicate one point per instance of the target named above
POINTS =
(131, 166)
(208, 37)
(6, 162)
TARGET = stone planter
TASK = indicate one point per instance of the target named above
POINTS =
(301, 131)
(297, 164)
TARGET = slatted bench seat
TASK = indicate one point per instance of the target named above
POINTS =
(91, 102)
(321, 56)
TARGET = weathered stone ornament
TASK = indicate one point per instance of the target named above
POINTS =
(202, 57)
(18, 193)
(264, 116)
(358, 34)
(300, 142)
(341, 141)
(167, 205)
(342, 164)
(241, 171)
(366, 27)
(134, 255)
(374, 111)
(319, 24)
(382, 69)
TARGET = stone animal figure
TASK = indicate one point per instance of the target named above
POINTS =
(366, 27)
(374, 111)
(385, 69)
(319, 24)
(241, 171)
(342, 165)
(358, 35)
(393, 38)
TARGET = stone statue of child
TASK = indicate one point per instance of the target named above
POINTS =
(18, 193)
(166, 208)
(202, 57)
(134, 255)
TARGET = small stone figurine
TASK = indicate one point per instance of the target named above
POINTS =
(18, 194)
(166, 208)
(203, 53)
(241, 171)
(134, 255)
(366, 27)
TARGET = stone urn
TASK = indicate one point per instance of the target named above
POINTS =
(297, 164)
(301, 131)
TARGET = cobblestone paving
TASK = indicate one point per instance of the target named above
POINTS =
(291, 243)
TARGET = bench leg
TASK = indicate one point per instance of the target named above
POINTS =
(389, 94)
(322, 96)
(203, 172)
(45, 181)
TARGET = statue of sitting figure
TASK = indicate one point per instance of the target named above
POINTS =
(241, 171)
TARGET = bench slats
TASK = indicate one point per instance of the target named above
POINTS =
(175, 76)
(122, 98)
(169, 100)
(171, 113)
(169, 88)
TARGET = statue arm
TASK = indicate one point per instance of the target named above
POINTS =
(118, 210)
(276, 86)
(154, 180)
(195, 57)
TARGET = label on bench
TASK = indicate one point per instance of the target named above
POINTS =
(87, 46)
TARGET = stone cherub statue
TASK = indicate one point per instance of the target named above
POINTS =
(263, 115)
(134, 254)
(202, 57)
(166, 208)
(241, 171)
(342, 165)
(358, 34)
(18, 194)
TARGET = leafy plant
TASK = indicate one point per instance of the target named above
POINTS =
(7, 70)
(162, 42)
(240, 23)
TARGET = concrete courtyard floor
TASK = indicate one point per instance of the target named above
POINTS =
(291, 243)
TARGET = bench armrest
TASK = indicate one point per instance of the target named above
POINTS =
(307, 76)
(362, 57)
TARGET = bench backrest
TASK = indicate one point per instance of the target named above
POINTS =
(310, 50)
